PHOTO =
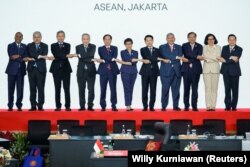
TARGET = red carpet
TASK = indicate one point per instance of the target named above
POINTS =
(14, 120)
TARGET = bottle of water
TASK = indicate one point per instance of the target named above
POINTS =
(123, 130)
(58, 129)
(188, 130)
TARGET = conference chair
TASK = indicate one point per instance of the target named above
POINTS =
(67, 124)
(129, 124)
(81, 131)
(242, 126)
(214, 126)
(148, 127)
(179, 126)
(38, 133)
(99, 127)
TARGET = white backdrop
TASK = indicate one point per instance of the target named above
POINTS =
(75, 17)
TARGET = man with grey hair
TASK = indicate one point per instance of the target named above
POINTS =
(170, 71)
(37, 52)
(86, 71)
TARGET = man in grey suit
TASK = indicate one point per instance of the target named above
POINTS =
(86, 71)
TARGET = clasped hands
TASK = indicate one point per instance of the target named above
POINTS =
(234, 58)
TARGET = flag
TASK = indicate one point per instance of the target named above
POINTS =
(98, 147)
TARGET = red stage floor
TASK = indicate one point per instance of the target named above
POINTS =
(15, 121)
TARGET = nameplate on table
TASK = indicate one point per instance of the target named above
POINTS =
(115, 153)
(59, 137)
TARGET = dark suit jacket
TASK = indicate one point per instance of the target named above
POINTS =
(129, 69)
(85, 59)
(107, 57)
(165, 52)
(34, 53)
(15, 65)
(61, 63)
(191, 55)
(152, 68)
(230, 67)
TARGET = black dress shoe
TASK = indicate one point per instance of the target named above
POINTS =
(32, 109)
(58, 109)
(19, 109)
(152, 109)
(227, 109)
(40, 109)
(234, 109)
(103, 109)
(68, 109)
(145, 109)
(177, 109)
(82, 109)
(195, 109)
(90, 109)
(10, 109)
(186, 109)
(114, 109)
(163, 109)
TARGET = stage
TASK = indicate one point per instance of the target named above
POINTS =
(18, 121)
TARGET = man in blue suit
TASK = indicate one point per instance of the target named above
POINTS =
(108, 71)
(16, 71)
(170, 72)
(231, 72)
(191, 70)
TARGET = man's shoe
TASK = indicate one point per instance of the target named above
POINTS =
(177, 109)
(82, 109)
(58, 109)
(19, 109)
(90, 109)
(145, 109)
(32, 109)
(186, 109)
(114, 109)
(103, 109)
(10, 109)
(68, 109)
(40, 109)
(195, 109)
(152, 109)
(163, 109)
(234, 109)
(227, 109)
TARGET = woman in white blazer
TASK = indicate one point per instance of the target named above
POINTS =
(211, 70)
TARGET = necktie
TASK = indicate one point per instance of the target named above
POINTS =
(37, 46)
(85, 49)
(192, 46)
(151, 51)
(171, 47)
(60, 45)
(231, 49)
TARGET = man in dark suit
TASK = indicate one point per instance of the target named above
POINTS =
(86, 71)
(108, 71)
(191, 70)
(231, 72)
(149, 72)
(16, 71)
(37, 51)
(61, 70)
(170, 72)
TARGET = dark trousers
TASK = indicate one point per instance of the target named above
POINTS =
(104, 80)
(231, 90)
(148, 81)
(191, 81)
(90, 80)
(58, 80)
(37, 82)
(18, 82)
(128, 81)
(174, 82)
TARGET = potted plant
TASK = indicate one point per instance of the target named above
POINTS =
(18, 147)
